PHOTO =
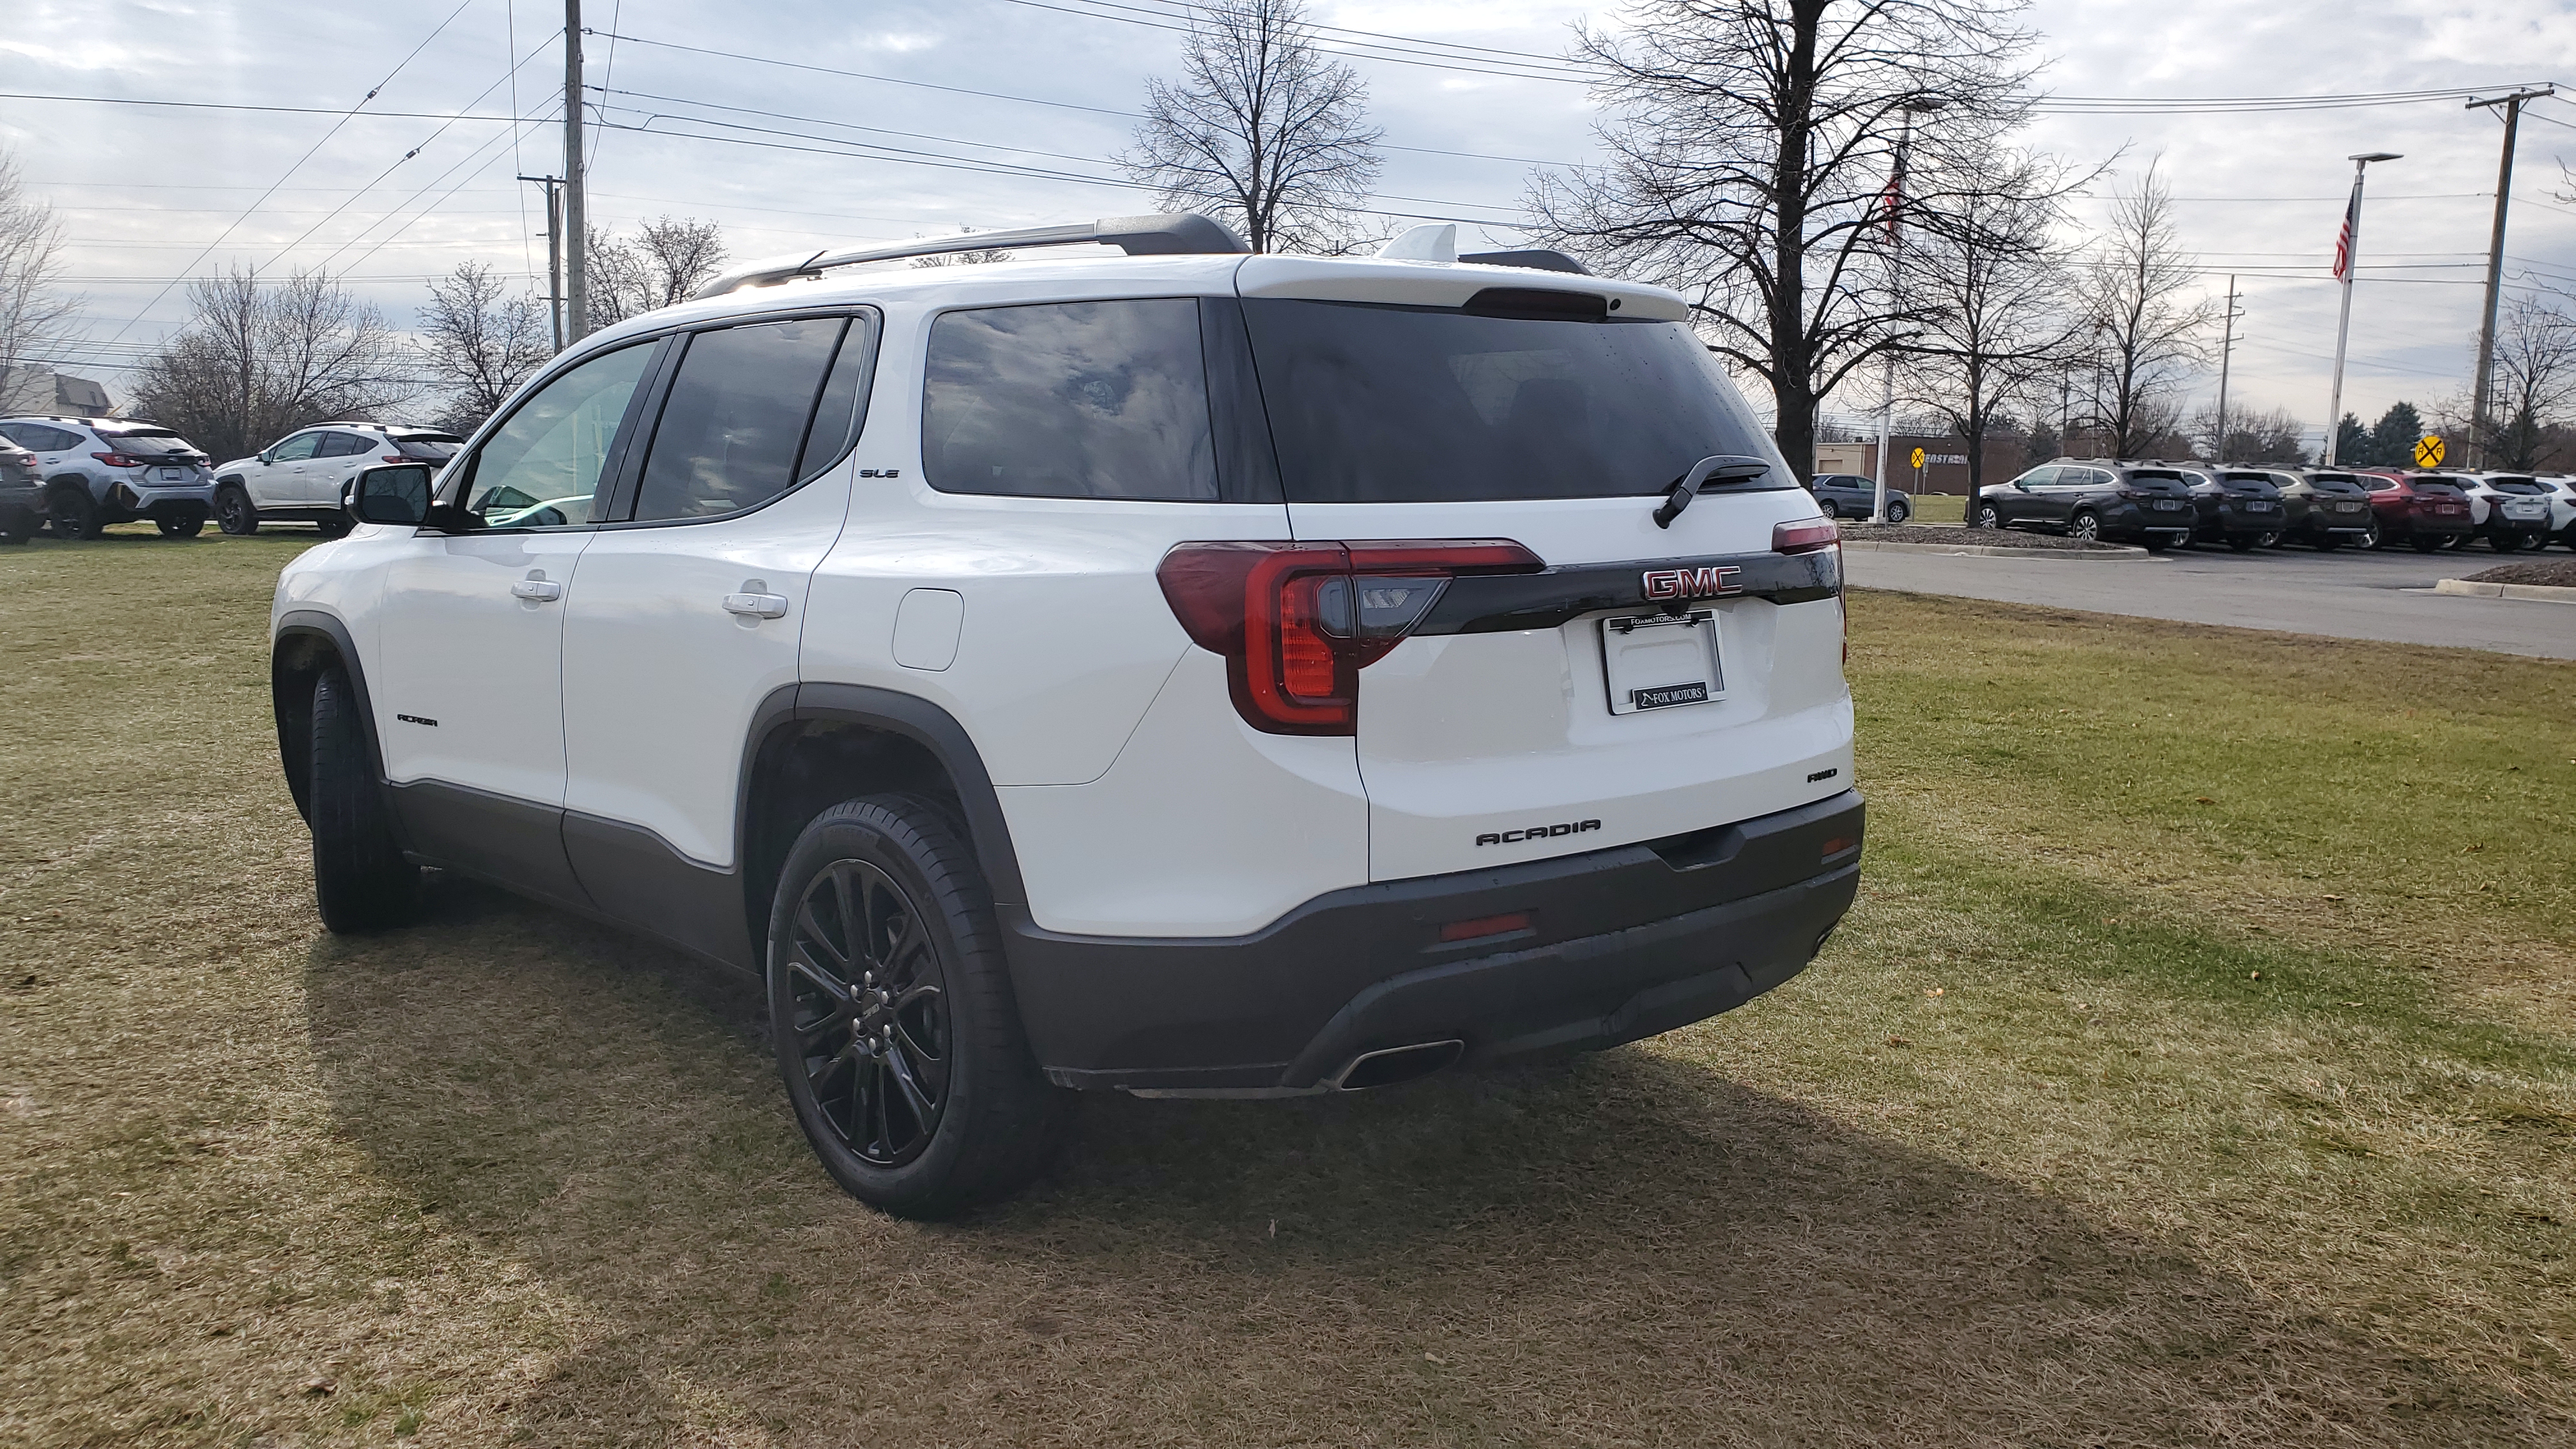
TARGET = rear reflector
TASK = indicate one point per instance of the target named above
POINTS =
(1837, 846)
(1808, 536)
(1484, 926)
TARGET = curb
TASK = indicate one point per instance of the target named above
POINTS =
(2537, 593)
(2111, 554)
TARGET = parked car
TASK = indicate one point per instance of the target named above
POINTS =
(22, 494)
(1056, 767)
(2562, 507)
(2324, 508)
(304, 477)
(1848, 495)
(2509, 510)
(99, 471)
(2148, 504)
(2239, 507)
(2423, 511)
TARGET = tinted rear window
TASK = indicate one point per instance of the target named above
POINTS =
(1381, 404)
(735, 422)
(1070, 400)
(2516, 485)
(154, 441)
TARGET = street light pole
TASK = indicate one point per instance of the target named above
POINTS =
(2347, 262)
(554, 252)
(2226, 354)
(1920, 105)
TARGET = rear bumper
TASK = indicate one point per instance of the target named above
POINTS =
(1621, 944)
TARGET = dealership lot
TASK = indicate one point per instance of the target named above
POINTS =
(2383, 595)
(2153, 1093)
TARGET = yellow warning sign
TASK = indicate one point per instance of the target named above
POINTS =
(2428, 453)
(1918, 457)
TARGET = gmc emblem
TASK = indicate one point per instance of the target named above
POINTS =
(1707, 583)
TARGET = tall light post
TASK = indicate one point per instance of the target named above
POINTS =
(2347, 261)
(1919, 106)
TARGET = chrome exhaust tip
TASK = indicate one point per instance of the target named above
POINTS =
(1396, 1064)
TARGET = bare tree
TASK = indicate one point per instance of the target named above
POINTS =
(481, 343)
(35, 314)
(2535, 377)
(1989, 285)
(2146, 327)
(2252, 437)
(257, 361)
(1260, 129)
(1754, 147)
(661, 264)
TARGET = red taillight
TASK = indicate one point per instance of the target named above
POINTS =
(1297, 622)
(118, 460)
(1808, 536)
(394, 458)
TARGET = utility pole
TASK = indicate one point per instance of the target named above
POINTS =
(2226, 351)
(2347, 261)
(2512, 104)
(576, 222)
(554, 252)
(1919, 106)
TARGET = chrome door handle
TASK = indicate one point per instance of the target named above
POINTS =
(537, 591)
(757, 606)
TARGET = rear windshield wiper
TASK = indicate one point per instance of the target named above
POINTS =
(1719, 468)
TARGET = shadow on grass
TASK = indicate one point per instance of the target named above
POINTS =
(1618, 1249)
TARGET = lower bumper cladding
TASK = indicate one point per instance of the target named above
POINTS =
(1379, 982)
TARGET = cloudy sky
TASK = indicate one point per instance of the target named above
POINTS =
(1007, 112)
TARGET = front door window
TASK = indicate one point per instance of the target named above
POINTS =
(545, 467)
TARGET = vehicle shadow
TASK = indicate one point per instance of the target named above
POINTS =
(1619, 1249)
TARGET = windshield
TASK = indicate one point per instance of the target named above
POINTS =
(156, 441)
(1383, 404)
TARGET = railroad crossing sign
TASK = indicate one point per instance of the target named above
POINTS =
(2428, 453)
(1918, 457)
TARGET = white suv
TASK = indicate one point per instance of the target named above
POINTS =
(1186, 672)
(304, 477)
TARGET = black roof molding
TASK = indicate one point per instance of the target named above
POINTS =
(1544, 259)
(1178, 234)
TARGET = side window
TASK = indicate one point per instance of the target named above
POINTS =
(735, 423)
(542, 468)
(843, 413)
(1070, 400)
(2041, 477)
(298, 448)
(341, 445)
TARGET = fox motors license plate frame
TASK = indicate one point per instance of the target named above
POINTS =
(1662, 661)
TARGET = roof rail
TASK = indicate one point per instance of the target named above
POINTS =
(1179, 234)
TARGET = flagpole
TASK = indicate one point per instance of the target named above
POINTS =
(2347, 262)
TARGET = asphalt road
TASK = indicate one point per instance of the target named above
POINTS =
(2348, 594)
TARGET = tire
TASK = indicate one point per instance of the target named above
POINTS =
(73, 514)
(333, 525)
(2377, 537)
(1986, 517)
(2425, 542)
(2085, 525)
(235, 514)
(360, 880)
(180, 525)
(1897, 512)
(1826, 506)
(2155, 543)
(2269, 540)
(914, 1082)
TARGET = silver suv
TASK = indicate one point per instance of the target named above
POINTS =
(99, 471)
(304, 477)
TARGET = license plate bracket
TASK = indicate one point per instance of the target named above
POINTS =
(1661, 661)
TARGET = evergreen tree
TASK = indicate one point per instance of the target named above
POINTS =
(2393, 437)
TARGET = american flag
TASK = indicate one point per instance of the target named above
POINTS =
(2343, 237)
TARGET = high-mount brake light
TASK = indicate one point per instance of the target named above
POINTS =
(1810, 536)
(1297, 622)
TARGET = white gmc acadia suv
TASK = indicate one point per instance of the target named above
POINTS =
(1185, 672)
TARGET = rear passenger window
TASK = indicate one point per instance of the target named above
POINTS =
(734, 427)
(1070, 400)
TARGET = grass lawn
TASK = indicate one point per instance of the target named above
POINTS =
(2199, 1067)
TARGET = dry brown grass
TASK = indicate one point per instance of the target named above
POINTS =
(509, 1178)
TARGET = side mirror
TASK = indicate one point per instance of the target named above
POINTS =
(267, 456)
(397, 494)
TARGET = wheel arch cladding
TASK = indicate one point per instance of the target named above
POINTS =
(813, 746)
(306, 644)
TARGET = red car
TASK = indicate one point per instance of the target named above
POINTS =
(2426, 512)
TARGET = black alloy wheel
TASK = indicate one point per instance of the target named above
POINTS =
(2377, 537)
(235, 513)
(891, 1011)
(1826, 507)
(74, 514)
(2272, 540)
(2084, 525)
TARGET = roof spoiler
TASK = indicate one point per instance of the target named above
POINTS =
(1181, 234)
(1545, 259)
